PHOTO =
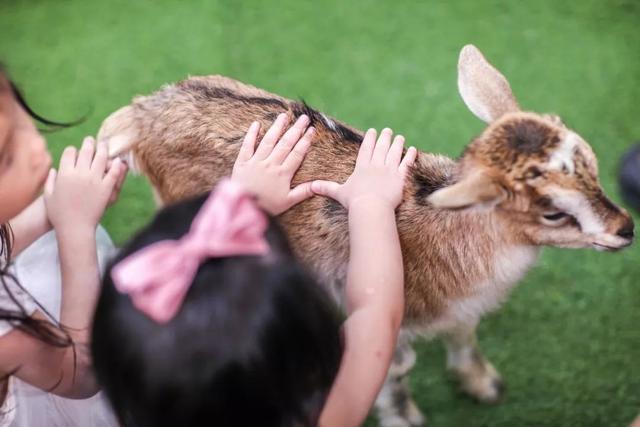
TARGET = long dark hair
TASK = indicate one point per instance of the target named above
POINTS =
(51, 125)
(18, 316)
(256, 342)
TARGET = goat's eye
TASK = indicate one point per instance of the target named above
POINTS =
(532, 173)
(555, 216)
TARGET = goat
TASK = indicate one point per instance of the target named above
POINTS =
(469, 228)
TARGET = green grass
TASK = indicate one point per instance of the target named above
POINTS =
(568, 340)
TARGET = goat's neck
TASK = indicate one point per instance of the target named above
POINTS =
(451, 255)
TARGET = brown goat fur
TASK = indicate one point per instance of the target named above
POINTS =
(469, 229)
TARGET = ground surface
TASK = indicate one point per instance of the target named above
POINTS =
(568, 341)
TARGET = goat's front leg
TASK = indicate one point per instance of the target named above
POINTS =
(476, 374)
(394, 405)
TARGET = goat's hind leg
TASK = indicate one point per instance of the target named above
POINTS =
(394, 405)
(476, 375)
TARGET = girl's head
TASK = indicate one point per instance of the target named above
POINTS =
(24, 164)
(24, 159)
(255, 341)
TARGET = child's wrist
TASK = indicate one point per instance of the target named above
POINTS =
(369, 202)
(75, 231)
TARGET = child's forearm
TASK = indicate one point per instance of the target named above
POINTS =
(29, 225)
(80, 287)
(375, 300)
(375, 273)
(64, 371)
(364, 365)
(80, 277)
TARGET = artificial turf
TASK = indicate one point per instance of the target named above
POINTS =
(568, 340)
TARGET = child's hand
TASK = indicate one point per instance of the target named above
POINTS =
(268, 171)
(115, 194)
(379, 173)
(77, 195)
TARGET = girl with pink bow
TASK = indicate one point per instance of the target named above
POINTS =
(207, 319)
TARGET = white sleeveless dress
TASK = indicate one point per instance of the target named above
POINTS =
(38, 271)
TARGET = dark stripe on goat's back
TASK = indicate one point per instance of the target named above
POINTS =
(206, 92)
(317, 119)
(209, 92)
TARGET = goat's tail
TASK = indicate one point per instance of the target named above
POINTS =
(121, 133)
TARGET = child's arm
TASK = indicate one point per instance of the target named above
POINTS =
(375, 290)
(375, 293)
(267, 171)
(75, 198)
(29, 225)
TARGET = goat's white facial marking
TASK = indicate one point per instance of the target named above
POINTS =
(576, 204)
(562, 158)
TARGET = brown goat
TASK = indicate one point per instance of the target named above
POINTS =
(469, 229)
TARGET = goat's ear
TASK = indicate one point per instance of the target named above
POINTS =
(476, 190)
(483, 88)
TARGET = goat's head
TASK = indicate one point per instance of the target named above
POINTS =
(531, 169)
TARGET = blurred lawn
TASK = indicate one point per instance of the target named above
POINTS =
(567, 342)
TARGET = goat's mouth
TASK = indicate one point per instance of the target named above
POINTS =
(610, 242)
(611, 248)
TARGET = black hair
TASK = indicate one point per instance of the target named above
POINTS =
(19, 317)
(629, 177)
(256, 342)
(20, 99)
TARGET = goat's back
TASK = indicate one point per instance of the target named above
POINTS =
(186, 136)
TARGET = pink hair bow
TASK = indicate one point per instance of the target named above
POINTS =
(158, 277)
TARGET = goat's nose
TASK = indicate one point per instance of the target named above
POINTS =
(626, 231)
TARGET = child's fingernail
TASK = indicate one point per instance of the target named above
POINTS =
(303, 119)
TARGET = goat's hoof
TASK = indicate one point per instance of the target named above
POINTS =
(486, 389)
(404, 413)
(415, 417)
(398, 421)
(482, 383)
